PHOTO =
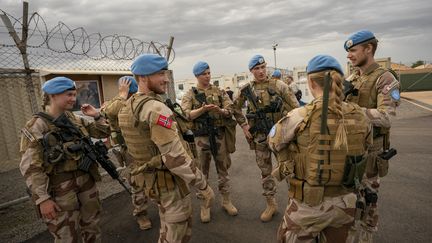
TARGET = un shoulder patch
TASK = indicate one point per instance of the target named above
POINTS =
(395, 94)
(272, 132)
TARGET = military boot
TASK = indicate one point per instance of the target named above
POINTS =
(227, 205)
(144, 222)
(270, 210)
(205, 214)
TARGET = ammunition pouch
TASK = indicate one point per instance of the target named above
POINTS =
(117, 138)
(313, 195)
(53, 152)
(355, 167)
(230, 135)
(160, 181)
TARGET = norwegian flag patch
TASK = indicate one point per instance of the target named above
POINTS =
(164, 121)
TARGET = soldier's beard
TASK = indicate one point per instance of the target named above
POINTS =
(157, 88)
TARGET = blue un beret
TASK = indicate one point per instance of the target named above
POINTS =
(58, 85)
(277, 74)
(255, 60)
(133, 87)
(199, 68)
(358, 38)
(323, 62)
(147, 64)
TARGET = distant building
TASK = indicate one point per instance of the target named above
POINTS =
(285, 71)
(300, 79)
(223, 81)
(399, 67)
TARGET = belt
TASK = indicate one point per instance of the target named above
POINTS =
(296, 190)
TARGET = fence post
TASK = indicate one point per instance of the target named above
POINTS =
(171, 85)
(22, 46)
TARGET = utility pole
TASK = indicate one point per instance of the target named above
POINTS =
(274, 51)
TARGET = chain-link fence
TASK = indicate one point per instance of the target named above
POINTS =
(32, 52)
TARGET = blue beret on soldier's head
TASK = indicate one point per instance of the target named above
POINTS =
(199, 68)
(133, 87)
(147, 64)
(277, 74)
(256, 60)
(323, 62)
(358, 38)
(58, 85)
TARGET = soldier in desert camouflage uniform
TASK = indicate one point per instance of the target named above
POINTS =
(66, 197)
(127, 87)
(376, 90)
(217, 107)
(322, 153)
(275, 99)
(164, 158)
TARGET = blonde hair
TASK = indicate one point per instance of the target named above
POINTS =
(45, 101)
(336, 98)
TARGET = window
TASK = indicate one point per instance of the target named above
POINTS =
(180, 87)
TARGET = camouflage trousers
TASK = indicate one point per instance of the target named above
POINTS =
(375, 167)
(331, 221)
(264, 162)
(80, 206)
(139, 199)
(369, 225)
(137, 183)
(175, 215)
(222, 160)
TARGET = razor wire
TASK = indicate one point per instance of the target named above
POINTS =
(64, 47)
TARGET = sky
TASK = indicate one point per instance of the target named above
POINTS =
(226, 34)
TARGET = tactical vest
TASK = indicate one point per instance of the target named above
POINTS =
(267, 94)
(145, 152)
(366, 86)
(69, 160)
(136, 133)
(213, 96)
(333, 161)
(367, 94)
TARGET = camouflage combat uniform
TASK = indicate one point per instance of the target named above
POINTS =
(321, 202)
(73, 190)
(259, 143)
(164, 159)
(378, 95)
(139, 199)
(222, 161)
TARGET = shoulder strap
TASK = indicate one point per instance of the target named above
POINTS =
(64, 123)
(139, 107)
(45, 117)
